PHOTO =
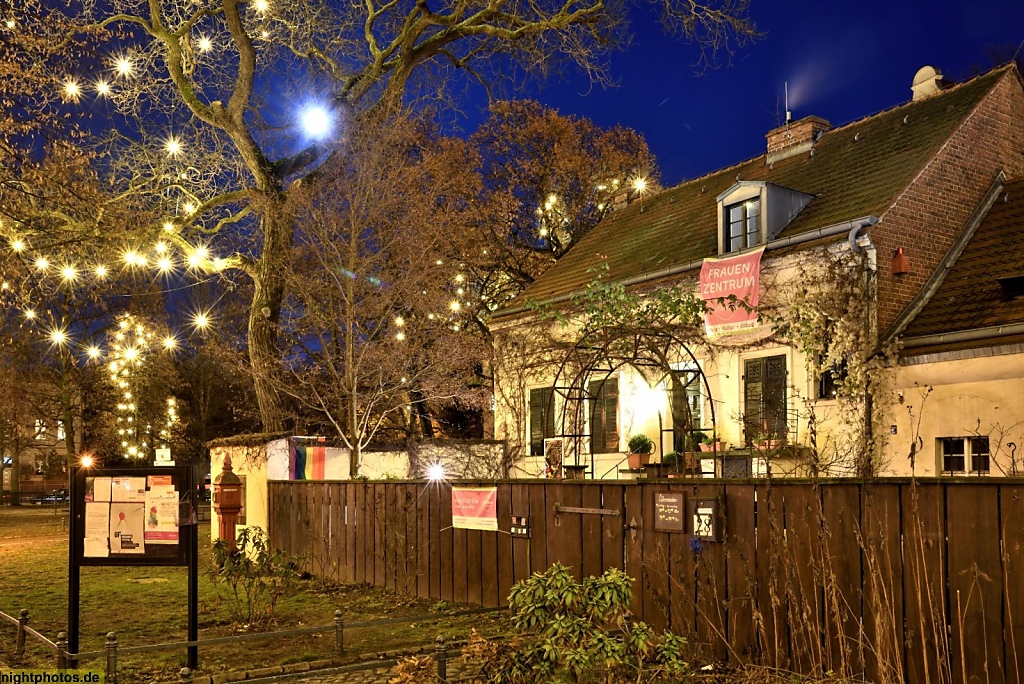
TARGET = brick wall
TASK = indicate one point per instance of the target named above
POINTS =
(929, 215)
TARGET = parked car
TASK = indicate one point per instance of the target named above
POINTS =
(57, 496)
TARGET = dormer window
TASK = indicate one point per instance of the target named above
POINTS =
(753, 213)
(743, 225)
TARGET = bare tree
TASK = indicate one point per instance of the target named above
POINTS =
(373, 321)
(206, 93)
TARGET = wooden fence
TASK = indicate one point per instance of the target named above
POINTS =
(895, 581)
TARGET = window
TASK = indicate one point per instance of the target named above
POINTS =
(542, 419)
(40, 428)
(604, 408)
(959, 452)
(764, 398)
(742, 225)
(830, 378)
(60, 431)
(686, 405)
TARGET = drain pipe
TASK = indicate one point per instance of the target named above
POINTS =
(861, 244)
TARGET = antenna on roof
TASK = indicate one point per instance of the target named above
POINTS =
(789, 114)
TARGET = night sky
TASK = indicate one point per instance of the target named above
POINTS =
(843, 61)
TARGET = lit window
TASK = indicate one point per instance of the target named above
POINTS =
(742, 225)
(831, 378)
(957, 453)
(60, 430)
(40, 429)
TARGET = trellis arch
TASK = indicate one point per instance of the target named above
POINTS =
(598, 355)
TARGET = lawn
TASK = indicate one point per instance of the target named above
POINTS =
(148, 606)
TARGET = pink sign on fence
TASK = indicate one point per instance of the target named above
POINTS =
(475, 508)
(729, 288)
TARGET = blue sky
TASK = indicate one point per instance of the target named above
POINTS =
(843, 61)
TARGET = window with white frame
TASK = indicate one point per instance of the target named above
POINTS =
(964, 455)
(60, 431)
(40, 428)
(742, 225)
(689, 398)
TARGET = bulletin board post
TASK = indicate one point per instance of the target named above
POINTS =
(142, 516)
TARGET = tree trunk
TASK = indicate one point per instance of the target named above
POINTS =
(264, 314)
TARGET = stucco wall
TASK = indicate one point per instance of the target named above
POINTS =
(958, 398)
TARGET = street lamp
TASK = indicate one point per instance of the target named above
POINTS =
(317, 122)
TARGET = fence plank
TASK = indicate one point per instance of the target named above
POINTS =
(437, 563)
(613, 528)
(634, 538)
(423, 541)
(655, 563)
(974, 568)
(772, 565)
(1011, 499)
(447, 544)
(711, 585)
(740, 573)
(843, 578)
(924, 581)
(681, 570)
(520, 546)
(883, 582)
(539, 515)
(504, 543)
(564, 545)
(590, 530)
(803, 527)
(379, 535)
(363, 533)
(392, 534)
(488, 582)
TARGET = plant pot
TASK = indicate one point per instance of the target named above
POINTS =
(575, 472)
(637, 461)
(655, 471)
(718, 447)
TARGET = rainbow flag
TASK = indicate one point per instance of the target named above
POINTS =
(307, 462)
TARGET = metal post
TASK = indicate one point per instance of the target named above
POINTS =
(75, 532)
(19, 642)
(111, 646)
(190, 475)
(339, 632)
(441, 655)
(62, 649)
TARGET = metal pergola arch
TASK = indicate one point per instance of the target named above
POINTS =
(605, 351)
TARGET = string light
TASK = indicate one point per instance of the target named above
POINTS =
(102, 87)
(124, 66)
(17, 245)
(69, 274)
(42, 263)
(101, 271)
(261, 6)
(205, 44)
(58, 337)
(173, 146)
(168, 227)
(72, 91)
(201, 320)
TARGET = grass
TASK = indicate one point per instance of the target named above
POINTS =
(32, 521)
(147, 605)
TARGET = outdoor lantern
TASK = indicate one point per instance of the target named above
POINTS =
(227, 502)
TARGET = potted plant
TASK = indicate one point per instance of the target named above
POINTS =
(708, 444)
(674, 463)
(640, 449)
(694, 441)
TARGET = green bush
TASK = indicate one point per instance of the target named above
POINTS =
(640, 444)
(252, 579)
(569, 631)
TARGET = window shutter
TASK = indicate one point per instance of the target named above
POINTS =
(611, 413)
(536, 423)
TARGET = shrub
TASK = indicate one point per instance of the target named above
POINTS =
(640, 444)
(577, 632)
(252, 579)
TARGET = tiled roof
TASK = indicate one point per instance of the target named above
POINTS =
(970, 296)
(857, 170)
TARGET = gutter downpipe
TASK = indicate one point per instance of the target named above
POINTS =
(863, 245)
(853, 228)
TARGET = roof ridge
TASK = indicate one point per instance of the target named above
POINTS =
(910, 103)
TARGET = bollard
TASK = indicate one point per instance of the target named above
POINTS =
(339, 632)
(111, 646)
(19, 643)
(62, 650)
(442, 658)
(185, 674)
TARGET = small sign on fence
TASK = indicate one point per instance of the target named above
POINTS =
(475, 508)
(669, 512)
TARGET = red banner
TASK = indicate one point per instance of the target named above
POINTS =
(729, 288)
(475, 508)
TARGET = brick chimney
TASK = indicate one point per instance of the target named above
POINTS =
(795, 138)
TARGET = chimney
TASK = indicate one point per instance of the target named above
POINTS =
(795, 138)
(927, 81)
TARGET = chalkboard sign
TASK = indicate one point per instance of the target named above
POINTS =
(669, 511)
